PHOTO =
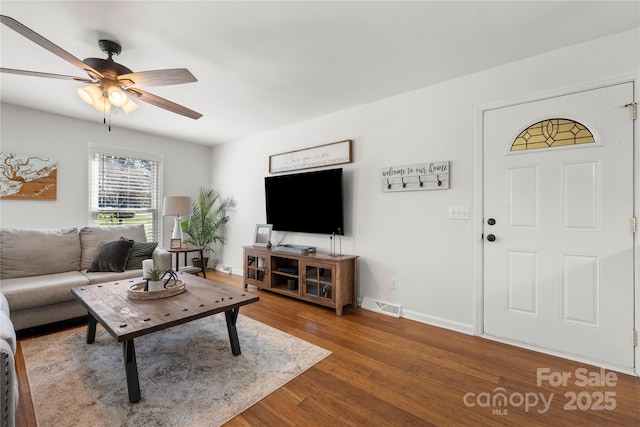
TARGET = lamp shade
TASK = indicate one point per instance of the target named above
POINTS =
(93, 96)
(85, 94)
(129, 106)
(177, 205)
(115, 96)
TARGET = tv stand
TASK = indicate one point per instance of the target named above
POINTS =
(314, 277)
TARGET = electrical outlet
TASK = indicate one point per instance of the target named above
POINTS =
(394, 283)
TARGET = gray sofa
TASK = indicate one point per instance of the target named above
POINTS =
(9, 381)
(38, 268)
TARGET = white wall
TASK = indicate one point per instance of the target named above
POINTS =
(26, 131)
(409, 235)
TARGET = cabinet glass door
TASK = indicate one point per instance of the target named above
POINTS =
(319, 281)
(256, 268)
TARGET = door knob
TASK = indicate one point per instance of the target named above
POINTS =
(491, 238)
(491, 221)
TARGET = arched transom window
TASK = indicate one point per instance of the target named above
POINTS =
(552, 133)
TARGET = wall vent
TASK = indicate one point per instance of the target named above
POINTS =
(223, 268)
(381, 307)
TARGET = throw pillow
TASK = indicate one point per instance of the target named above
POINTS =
(139, 252)
(111, 255)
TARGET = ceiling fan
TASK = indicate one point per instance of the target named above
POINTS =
(110, 83)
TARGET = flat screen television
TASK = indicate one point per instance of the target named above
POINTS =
(309, 202)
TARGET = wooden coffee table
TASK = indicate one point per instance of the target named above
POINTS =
(126, 319)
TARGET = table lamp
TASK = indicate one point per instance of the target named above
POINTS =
(179, 206)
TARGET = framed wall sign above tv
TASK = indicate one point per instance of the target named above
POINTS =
(331, 154)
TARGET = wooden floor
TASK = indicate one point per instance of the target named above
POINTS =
(396, 372)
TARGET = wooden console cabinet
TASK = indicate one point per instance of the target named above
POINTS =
(318, 278)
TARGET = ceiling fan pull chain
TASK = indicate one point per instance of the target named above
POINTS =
(106, 115)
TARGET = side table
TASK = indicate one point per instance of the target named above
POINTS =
(187, 268)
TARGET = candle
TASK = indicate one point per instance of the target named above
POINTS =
(147, 265)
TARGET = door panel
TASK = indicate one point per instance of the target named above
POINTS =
(580, 198)
(524, 194)
(581, 289)
(522, 285)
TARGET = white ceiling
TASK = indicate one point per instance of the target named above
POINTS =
(263, 65)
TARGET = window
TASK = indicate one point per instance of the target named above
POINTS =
(552, 133)
(125, 190)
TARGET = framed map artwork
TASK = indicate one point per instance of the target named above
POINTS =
(26, 177)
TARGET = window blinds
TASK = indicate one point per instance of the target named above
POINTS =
(125, 190)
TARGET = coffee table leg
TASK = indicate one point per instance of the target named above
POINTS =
(91, 329)
(131, 370)
(232, 316)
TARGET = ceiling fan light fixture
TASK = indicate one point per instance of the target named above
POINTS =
(102, 104)
(129, 106)
(117, 96)
(105, 74)
(89, 94)
(93, 96)
(84, 95)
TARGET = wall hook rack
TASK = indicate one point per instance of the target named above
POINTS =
(422, 176)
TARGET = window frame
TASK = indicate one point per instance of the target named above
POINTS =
(140, 155)
(580, 120)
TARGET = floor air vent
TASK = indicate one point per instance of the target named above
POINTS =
(223, 268)
(381, 307)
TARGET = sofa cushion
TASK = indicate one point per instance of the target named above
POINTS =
(91, 237)
(33, 252)
(37, 291)
(46, 314)
(4, 304)
(102, 277)
(139, 252)
(111, 255)
(7, 333)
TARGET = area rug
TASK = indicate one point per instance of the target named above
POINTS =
(188, 375)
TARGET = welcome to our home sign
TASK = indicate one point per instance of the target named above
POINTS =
(416, 177)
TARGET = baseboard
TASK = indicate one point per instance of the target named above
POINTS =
(434, 321)
(439, 322)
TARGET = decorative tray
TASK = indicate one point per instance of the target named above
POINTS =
(136, 291)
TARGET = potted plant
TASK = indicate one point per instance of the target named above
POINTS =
(205, 227)
(155, 279)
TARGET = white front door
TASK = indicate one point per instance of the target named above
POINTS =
(558, 259)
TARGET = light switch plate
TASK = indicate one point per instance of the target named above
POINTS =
(458, 212)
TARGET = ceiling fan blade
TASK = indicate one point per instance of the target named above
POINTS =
(174, 76)
(51, 47)
(164, 103)
(47, 75)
